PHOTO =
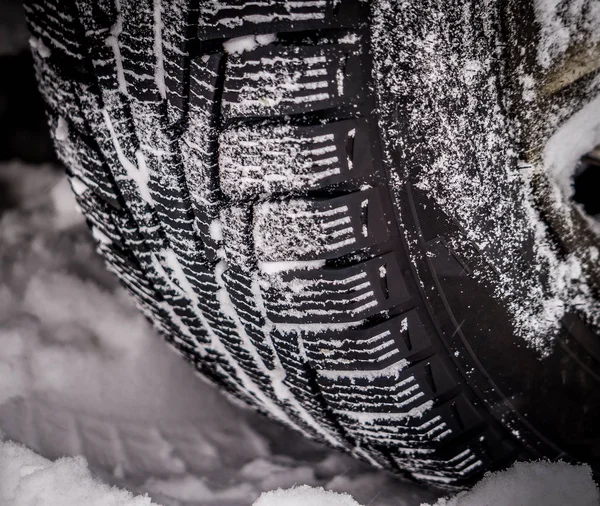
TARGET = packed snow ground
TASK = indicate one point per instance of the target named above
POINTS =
(83, 373)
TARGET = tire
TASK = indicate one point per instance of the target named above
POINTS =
(303, 225)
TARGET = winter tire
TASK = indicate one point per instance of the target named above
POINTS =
(338, 211)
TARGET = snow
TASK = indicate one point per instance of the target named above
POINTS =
(471, 174)
(564, 24)
(532, 484)
(40, 47)
(576, 137)
(301, 496)
(62, 130)
(28, 479)
(248, 43)
(159, 71)
(84, 374)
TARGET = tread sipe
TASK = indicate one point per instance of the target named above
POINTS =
(236, 184)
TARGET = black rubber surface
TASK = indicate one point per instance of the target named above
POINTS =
(243, 200)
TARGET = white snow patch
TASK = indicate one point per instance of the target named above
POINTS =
(577, 136)
(248, 43)
(67, 212)
(532, 484)
(62, 130)
(284, 266)
(139, 174)
(305, 496)
(159, 70)
(27, 479)
(40, 47)
(216, 230)
(113, 42)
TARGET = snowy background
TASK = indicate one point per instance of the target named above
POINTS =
(91, 398)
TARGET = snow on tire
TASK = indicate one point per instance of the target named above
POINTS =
(278, 202)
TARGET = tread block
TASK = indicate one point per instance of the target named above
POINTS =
(99, 215)
(97, 17)
(55, 29)
(178, 33)
(386, 408)
(198, 148)
(234, 18)
(275, 81)
(265, 160)
(83, 160)
(396, 388)
(435, 469)
(59, 90)
(160, 160)
(142, 64)
(364, 349)
(334, 295)
(318, 229)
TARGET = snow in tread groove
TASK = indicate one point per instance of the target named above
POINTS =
(289, 11)
(257, 161)
(276, 82)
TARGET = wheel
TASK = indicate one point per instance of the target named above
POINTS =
(342, 212)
